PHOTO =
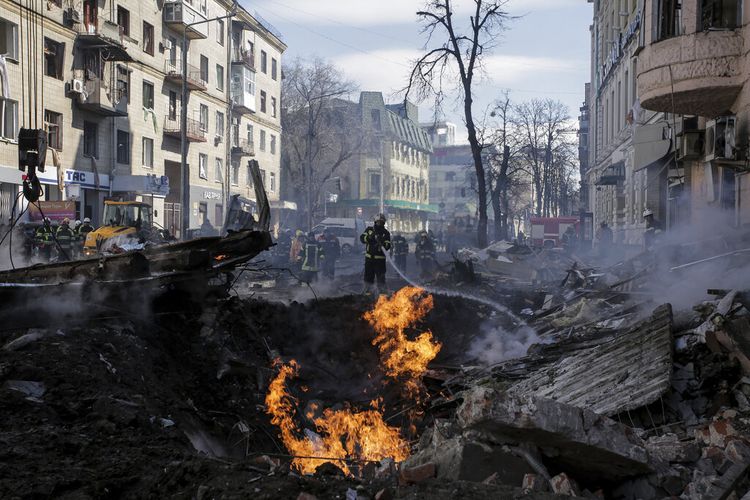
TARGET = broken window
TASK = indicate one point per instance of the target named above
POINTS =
(123, 20)
(720, 14)
(218, 176)
(374, 183)
(203, 118)
(53, 124)
(148, 95)
(263, 101)
(202, 166)
(123, 146)
(9, 110)
(9, 39)
(148, 38)
(54, 54)
(123, 84)
(669, 19)
(204, 69)
(90, 139)
(273, 107)
(219, 124)
(172, 105)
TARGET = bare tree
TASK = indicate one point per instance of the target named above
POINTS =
(320, 134)
(462, 52)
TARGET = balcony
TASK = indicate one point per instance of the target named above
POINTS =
(194, 80)
(98, 98)
(195, 132)
(612, 175)
(181, 16)
(243, 56)
(706, 71)
(242, 89)
(243, 147)
(104, 35)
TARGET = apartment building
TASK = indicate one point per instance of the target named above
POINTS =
(695, 65)
(624, 141)
(392, 174)
(109, 78)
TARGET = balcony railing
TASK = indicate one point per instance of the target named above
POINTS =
(103, 35)
(195, 80)
(97, 97)
(243, 147)
(243, 56)
(194, 131)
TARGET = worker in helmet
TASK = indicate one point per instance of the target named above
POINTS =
(653, 228)
(377, 241)
(312, 256)
(64, 237)
(85, 229)
(425, 253)
(295, 259)
(43, 238)
(400, 251)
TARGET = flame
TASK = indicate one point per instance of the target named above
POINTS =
(402, 358)
(340, 434)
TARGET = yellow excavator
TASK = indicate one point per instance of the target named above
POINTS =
(123, 221)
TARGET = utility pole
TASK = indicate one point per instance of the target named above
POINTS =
(185, 184)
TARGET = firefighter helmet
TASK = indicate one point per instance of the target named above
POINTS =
(380, 218)
(647, 213)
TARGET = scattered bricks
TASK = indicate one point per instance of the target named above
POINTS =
(564, 485)
(737, 451)
(534, 482)
(417, 474)
(720, 431)
(718, 458)
(306, 496)
(384, 494)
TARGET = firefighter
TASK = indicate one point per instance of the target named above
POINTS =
(376, 239)
(425, 253)
(570, 239)
(604, 237)
(332, 251)
(400, 251)
(296, 249)
(64, 237)
(283, 245)
(311, 257)
(43, 239)
(653, 228)
(85, 229)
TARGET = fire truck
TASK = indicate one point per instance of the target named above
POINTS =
(547, 232)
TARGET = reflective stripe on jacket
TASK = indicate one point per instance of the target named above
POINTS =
(375, 241)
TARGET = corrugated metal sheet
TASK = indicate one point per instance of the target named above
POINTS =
(630, 371)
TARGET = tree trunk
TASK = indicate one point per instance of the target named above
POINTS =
(476, 153)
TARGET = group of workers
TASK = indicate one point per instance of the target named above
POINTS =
(605, 236)
(67, 240)
(310, 255)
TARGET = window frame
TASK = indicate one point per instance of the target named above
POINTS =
(148, 28)
(144, 141)
(219, 77)
(123, 16)
(263, 62)
(219, 117)
(203, 117)
(203, 166)
(235, 179)
(273, 107)
(204, 59)
(274, 69)
(4, 109)
(122, 153)
(89, 142)
(57, 144)
(272, 144)
(220, 32)
(263, 99)
(12, 37)
(59, 58)
(148, 85)
(262, 141)
(219, 170)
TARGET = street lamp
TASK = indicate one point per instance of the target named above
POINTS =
(185, 184)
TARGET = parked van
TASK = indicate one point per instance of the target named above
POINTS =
(347, 231)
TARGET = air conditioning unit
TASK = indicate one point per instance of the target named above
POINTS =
(720, 138)
(165, 44)
(690, 145)
(76, 86)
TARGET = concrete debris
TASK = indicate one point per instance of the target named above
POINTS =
(33, 390)
(562, 484)
(534, 482)
(574, 439)
(417, 474)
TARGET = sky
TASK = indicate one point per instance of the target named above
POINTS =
(543, 54)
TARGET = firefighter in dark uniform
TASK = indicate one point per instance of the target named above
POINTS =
(64, 237)
(377, 240)
(425, 254)
(400, 251)
(332, 251)
(43, 239)
(311, 256)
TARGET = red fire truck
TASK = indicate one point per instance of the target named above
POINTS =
(547, 232)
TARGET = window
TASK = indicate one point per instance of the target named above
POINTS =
(54, 53)
(273, 107)
(263, 101)
(262, 140)
(202, 166)
(148, 95)
(9, 39)
(173, 51)
(204, 118)
(375, 113)
(720, 14)
(274, 69)
(90, 139)
(220, 77)
(53, 124)
(148, 38)
(123, 146)
(148, 152)
(272, 185)
(249, 133)
(220, 31)
(202, 213)
(235, 174)
(374, 183)
(9, 110)
(668, 17)
(218, 215)
(172, 105)
(273, 144)
(218, 175)
(219, 124)
(249, 180)
(263, 177)
(204, 68)
(123, 20)
(123, 84)
(263, 61)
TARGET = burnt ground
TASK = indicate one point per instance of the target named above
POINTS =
(172, 406)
